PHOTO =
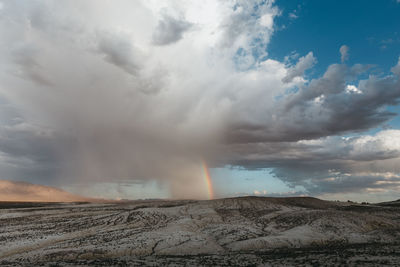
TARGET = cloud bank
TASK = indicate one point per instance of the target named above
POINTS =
(141, 90)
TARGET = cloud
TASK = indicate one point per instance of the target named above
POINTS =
(119, 51)
(301, 66)
(330, 164)
(132, 91)
(27, 67)
(170, 30)
(293, 15)
(344, 53)
(117, 106)
(396, 69)
(322, 107)
(352, 89)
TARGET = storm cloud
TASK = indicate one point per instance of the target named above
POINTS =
(132, 91)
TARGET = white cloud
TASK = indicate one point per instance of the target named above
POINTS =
(352, 89)
(293, 15)
(267, 20)
(396, 69)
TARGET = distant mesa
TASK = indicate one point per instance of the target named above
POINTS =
(27, 192)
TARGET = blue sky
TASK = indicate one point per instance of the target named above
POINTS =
(369, 28)
(129, 99)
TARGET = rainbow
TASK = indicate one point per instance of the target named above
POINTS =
(207, 178)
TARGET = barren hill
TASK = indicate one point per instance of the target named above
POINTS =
(238, 231)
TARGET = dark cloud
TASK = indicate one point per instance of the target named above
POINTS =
(323, 108)
(332, 164)
(31, 152)
(170, 30)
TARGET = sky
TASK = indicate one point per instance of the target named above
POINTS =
(202, 99)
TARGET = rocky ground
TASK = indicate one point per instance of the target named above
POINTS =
(237, 231)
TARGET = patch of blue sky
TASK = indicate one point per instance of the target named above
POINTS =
(393, 123)
(371, 29)
(230, 181)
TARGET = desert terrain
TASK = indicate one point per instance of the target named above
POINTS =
(245, 231)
